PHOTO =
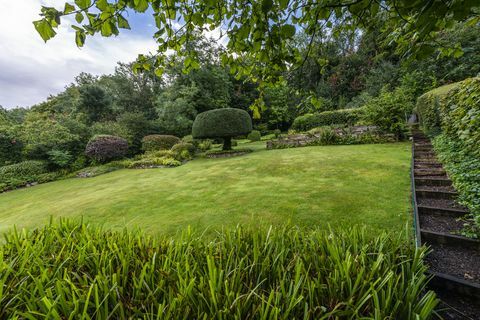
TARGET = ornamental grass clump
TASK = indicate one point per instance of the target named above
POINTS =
(70, 270)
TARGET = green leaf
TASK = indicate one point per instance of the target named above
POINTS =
(68, 8)
(288, 31)
(79, 17)
(267, 5)
(106, 29)
(102, 5)
(44, 29)
(122, 22)
(83, 4)
(141, 5)
(80, 38)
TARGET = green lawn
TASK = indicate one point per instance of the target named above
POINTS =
(312, 186)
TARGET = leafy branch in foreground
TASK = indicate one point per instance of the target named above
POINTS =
(259, 33)
(73, 270)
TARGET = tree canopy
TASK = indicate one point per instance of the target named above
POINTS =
(259, 33)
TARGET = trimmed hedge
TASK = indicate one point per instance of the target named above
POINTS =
(222, 123)
(155, 142)
(455, 111)
(428, 108)
(103, 148)
(327, 118)
(73, 270)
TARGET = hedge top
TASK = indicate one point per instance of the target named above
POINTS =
(222, 123)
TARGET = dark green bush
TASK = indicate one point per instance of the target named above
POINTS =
(326, 118)
(222, 123)
(255, 135)
(156, 142)
(389, 111)
(73, 270)
(10, 147)
(103, 148)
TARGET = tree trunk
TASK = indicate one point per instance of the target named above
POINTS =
(227, 143)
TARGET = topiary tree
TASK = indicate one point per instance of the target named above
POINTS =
(103, 148)
(155, 142)
(222, 123)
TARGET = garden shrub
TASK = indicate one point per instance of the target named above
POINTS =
(182, 147)
(222, 123)
(19, 174)
(205, 145)
(153, 162)
(326, 118)
(103, 148)
(159, 142)
(238, 273)
(389, 111)
(255, 135)
(277, 133)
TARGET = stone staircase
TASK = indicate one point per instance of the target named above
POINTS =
(454, 260)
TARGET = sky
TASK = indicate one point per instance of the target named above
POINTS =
(31, 70)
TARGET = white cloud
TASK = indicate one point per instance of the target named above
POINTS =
(31, 70)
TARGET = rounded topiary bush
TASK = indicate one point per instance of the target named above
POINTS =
(255, 135)
(222, 123)
(103, 148)
(156, 142)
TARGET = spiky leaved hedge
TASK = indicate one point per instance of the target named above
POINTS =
(74, 271)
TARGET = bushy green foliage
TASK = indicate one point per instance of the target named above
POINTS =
(103, 148)
(326, 118)
(41, 134)
(95, 103)
(463, 167)
(285, 273)
(10, 147)
(154, 162)
(59, 158)
(455, 111)
(205, 145)
(159, 142)
(19, 174)
(428, 108)
(255, 135)
(184, 149)
(222, 123)
(390, 111)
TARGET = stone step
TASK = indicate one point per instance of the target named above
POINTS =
(436, 194)
(429, 172)
(436, 210)
(433, 181)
